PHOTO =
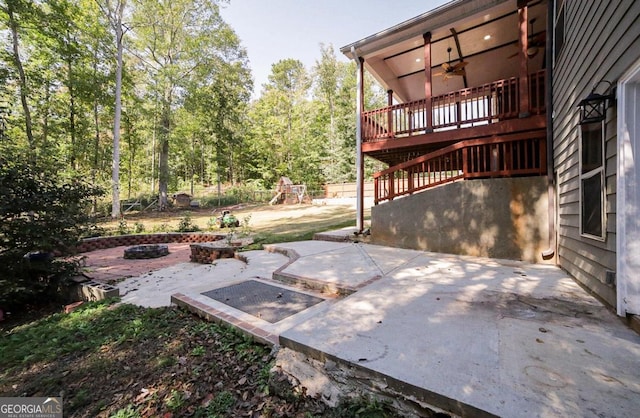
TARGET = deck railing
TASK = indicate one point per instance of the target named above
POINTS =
(513, 155)
(489, 103)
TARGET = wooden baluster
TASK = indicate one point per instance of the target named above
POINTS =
(488, 102)
(465, 162)
(376, 191)
(542, 144)
(410, 122)
(503, 157)
(518, 164)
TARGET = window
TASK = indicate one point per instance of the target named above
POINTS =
(558, 29)
(592, 191)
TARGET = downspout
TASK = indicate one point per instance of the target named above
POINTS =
(551, 187)
(359, 165)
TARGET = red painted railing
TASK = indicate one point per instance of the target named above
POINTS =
(504, 156)
(489, 103)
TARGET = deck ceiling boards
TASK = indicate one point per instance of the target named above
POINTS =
(395, 57)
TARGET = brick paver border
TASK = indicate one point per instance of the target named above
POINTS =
(101, 243)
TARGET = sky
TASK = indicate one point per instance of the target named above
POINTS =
(272, 30)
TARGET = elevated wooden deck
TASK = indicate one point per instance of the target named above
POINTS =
(398, 133)
(479, 132)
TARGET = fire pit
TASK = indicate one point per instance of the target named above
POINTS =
(146, 251)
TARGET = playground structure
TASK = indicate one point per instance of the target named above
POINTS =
(288, 193)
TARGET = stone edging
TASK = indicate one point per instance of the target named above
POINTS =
(100, 243)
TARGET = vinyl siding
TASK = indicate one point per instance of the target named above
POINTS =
(602, 40)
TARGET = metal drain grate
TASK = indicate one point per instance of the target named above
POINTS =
(264, 301)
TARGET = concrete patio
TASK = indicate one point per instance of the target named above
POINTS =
(467, 336)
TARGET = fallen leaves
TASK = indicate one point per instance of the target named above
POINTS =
(228, 378)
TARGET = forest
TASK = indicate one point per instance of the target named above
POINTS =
(155, 97)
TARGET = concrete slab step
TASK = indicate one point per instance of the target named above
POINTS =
(259, 308)
(330, 268)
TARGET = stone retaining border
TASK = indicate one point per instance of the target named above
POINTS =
(207, 255)
(101, 243)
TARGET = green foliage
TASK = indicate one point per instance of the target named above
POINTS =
(186, 224)
(218, 407)
(187, 119)
(229, 220)
(198, 351)
(128, 412)
(263, 377)
(94, 230)
(363, 407)
(138, 227)
(175, 400)
(41, 214)
(212, 223)
(221, 404)
(57, 335)
(219, 201)
(123, 227)
(245, 226)
(163, 227)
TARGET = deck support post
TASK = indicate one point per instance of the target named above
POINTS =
(523, 84)
(390, 129)
(359, 156)
(428, 92)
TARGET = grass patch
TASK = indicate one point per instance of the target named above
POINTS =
(304, 234)
(271, 224)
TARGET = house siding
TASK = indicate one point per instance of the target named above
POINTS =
(602, 40)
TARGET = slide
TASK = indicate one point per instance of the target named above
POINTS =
(275, 199)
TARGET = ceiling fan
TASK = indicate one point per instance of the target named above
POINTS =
(452, 70)
(535, 42)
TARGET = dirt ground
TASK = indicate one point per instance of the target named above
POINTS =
(259, 218)
(126, 361)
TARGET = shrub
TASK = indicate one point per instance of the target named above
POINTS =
(41, 214)
(186, 225)
(163, 227)
(123, 227)
(218, 201)
(138, 227)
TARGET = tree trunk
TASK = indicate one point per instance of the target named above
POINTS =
(23, 80)
(153, 144)
(72, 113)
(96, 138)
(163, 180)
(131, 154)
(115, 165)
(192, 162)
(45, 113)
